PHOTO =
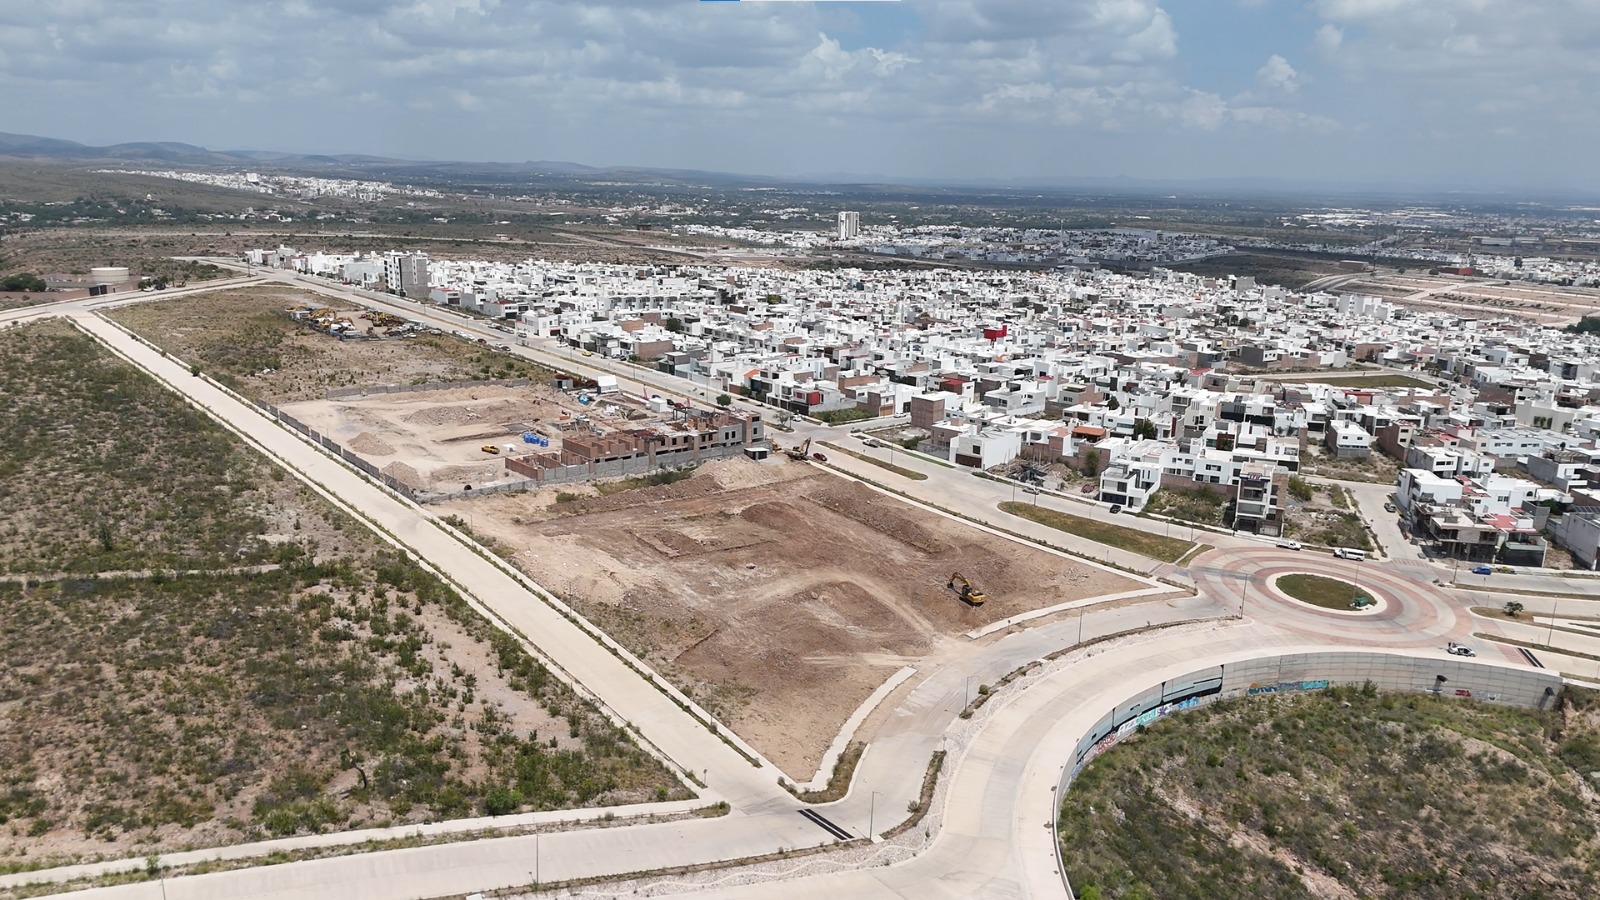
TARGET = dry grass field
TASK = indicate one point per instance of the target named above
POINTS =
(245, 339)
(1343, 793)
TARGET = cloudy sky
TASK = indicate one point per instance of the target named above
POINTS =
(1471, 93)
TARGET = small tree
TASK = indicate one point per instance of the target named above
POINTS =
(724, 401)
(1113, 404)
(1091, 462)
(1144, 429)
(23, 281)
(1513, 609)
(674, 325)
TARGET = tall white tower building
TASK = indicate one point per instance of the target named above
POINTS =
(849, 225)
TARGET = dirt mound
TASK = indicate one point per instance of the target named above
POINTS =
(433, 416)
(733, 474)
(404, 474)
(370, 444)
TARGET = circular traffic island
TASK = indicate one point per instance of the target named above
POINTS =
(1327, 593)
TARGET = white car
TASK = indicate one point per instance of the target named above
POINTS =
(1455, 649)
(1289, 545)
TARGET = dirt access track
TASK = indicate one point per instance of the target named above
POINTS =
(776, 594)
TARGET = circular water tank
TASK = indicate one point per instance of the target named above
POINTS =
(108, 274)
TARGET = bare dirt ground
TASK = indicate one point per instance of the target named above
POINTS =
(1545, 303)
(434, 440)
(775, 594)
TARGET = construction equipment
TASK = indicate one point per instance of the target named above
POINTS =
(969, 593)
(800, 453)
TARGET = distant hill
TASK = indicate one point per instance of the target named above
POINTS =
(34, 147)
(875, 186)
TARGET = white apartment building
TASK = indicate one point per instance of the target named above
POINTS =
(849, 225)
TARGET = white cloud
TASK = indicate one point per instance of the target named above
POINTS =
(1328, 39)
(1277, 75)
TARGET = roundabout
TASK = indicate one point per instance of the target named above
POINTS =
(1331, 594)
(1410, 610)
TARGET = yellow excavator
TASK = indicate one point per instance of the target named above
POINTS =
(800, 453)
(968, 593)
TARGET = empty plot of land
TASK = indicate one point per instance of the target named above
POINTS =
(777, 595)
(434, 440)
(1540, 302)
(246, 339)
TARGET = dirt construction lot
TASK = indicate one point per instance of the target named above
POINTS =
(434, 440)
(776, 594)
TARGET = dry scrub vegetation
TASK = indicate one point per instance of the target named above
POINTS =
(333, 685)
(1344, 793)
(237, 336)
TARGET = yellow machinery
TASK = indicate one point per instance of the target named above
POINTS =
(799, 454)
(968, 593)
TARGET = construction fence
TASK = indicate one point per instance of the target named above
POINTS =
(342, 393)
(535, 477)
(332, 446)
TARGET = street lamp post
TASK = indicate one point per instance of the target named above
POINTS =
(872, 817)
(1555, 610)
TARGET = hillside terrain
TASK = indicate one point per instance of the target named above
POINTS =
(1344, 793)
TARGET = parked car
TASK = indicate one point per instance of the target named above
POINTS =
(820, 457)
(1089, 489)
(1483, 570)
(1116, 508)
(1455, 649)
(1388, 507)
(1030, 489)
(1290, 545)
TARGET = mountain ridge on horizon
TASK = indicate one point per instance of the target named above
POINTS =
(36, 147)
